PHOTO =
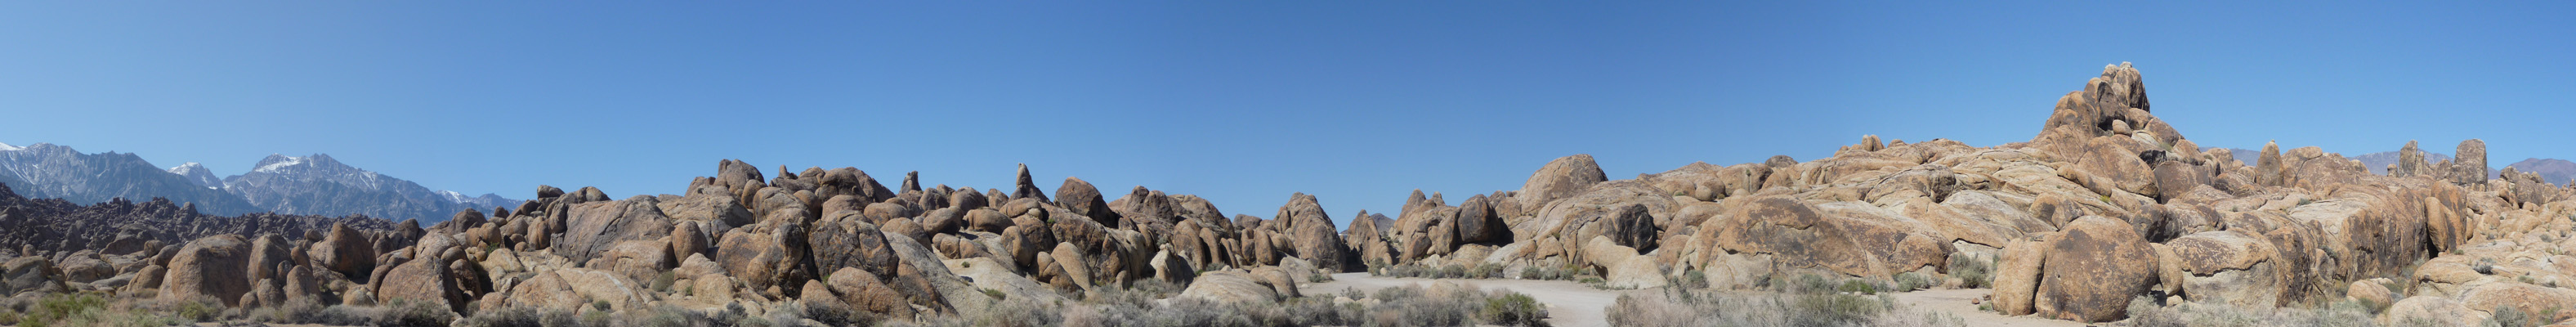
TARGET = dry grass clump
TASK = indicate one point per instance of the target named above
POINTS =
(665, 315)
(2146, 312)
(1809, 300)
(1479, 271)
(1152, 304)
(104, 309)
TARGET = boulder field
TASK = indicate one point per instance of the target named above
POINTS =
(2106, 204)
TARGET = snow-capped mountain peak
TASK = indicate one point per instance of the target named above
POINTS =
(197, 173)
(7, 147)
(274, 162)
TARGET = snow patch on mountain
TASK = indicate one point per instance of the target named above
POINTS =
(196, 172)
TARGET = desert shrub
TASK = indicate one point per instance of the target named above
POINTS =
(1007, 313)
(201, 308)
(1453, 271)
(2509, 316)
(662, 283)
(1811, 283)
(1531, 273)
(1858, 286)
(515, 316)
(2484, 266)
(600, 318)
(1909, 281)
(996, 294)
(830, 315)
(1514, 309)
(87, 309)
(1833, 309)
(1487, 270)
(1319, 277)
(2213, 312)
(406, 313)
(1596, 282)
(1320, 312)
(1972, 273)
(1693, 279)
(1717, 308)
(2145, 312)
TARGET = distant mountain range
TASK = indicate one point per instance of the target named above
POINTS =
(309, 185)
(53, 171)
(2554, 171)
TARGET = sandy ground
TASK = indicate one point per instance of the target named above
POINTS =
(1569, 304)
(1572, 304)
(1956, 302)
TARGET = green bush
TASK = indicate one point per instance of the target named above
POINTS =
(1694, 279)
(2508, 316)
(1833, 310)
(1514, 309)
(1972, 273)
(2144, 312)
(662, 283)
(1858, 286)
(516, 316)
(831, 315)
(1909, 281)
(1811, 283)
(405, 313)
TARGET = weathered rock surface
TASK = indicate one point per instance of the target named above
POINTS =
(2092, 269)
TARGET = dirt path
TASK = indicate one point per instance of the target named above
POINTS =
(1573, 304)
(1956, 303)
(1569, 304)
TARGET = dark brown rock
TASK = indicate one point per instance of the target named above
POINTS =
(2093, 269)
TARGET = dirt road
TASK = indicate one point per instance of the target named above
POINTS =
(1573, 304)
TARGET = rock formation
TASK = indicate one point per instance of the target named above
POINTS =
(2107, 203)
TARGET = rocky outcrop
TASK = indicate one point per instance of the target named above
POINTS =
(1083, 199)
(1312, 236)
(1561, 178)
(2410, 161)
(594, 227)
(2107, 204)
(765, 257)
(2092, 269)
(31, 274)
(1027, 187)
(2471, 169)
(214, 266)
(2231, 266)
(346, 251)
(1232, 286)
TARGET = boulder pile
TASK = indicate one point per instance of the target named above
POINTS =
(2106, 204)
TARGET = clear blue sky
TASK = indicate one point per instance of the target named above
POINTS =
(1239, 102)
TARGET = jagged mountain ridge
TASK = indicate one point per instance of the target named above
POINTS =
(45, 170)
(310, 185)
(196, 172)
(321, 185)
(118, 226)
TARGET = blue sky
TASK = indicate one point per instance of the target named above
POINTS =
(1240, 102)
